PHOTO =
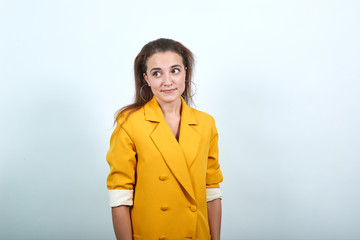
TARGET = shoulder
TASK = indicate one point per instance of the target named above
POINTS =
(130, 116)
(205, 123)
(203, 117)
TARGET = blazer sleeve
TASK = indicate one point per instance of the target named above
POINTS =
(121, 158)
(213, 174)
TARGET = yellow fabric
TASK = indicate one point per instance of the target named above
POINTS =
(169, 177)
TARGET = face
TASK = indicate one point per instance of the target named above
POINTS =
(166, 76)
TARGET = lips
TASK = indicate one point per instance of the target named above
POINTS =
(168, 90)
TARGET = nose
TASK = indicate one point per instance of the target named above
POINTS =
(167, 79)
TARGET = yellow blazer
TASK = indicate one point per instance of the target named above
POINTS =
(169, 177)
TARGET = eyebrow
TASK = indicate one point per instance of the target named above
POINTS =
(177, 65)
(173, 66)
(153, 69)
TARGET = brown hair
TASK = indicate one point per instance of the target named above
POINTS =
(144, 94)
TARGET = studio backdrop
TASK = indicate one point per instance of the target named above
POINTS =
(281, 79)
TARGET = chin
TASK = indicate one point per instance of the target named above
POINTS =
(169, 99)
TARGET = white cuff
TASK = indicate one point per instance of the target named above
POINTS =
(120, 197)
(212, 194)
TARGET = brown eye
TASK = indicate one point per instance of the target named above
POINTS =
(156, 74)
(176, 70)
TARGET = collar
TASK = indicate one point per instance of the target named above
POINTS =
(153, 112)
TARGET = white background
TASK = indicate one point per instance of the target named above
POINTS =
(281, 79)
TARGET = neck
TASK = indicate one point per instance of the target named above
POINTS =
(171, 108)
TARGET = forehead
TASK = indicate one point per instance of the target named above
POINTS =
(164, 59)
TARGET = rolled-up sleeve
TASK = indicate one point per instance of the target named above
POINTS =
(213, 174)
(121, 158)
(120, 197)
(212, 194)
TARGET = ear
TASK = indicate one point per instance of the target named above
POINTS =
(146, 78)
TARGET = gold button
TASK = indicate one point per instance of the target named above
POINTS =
(163, 178)
(193, 208)
(164, 208)
(162, 238)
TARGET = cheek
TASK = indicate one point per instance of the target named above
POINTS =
(181, 81)
(155, 84)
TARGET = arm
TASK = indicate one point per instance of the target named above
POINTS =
(213, 193)
(120, 182)
(214, 216)
(122, 222)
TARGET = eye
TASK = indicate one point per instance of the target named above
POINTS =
(156, 74)
(175, 70)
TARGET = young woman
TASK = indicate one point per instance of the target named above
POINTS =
(163, 157)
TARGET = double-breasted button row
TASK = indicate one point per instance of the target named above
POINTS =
(165, 208)
(163, 177)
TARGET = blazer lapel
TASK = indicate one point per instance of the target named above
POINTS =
(169, 148)
(189, 139)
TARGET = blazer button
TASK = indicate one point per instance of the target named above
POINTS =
(162, 238)
(164, 208)
(163, 178)
(193, 208)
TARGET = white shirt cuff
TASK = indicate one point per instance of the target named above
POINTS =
(212, 194)
(120, 197)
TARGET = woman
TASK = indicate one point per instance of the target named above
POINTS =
(164, 170)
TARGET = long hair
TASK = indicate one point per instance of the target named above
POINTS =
(143, 93)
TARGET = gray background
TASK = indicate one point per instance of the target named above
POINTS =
(281, 79)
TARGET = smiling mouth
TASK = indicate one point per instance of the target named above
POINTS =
(169, 90)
